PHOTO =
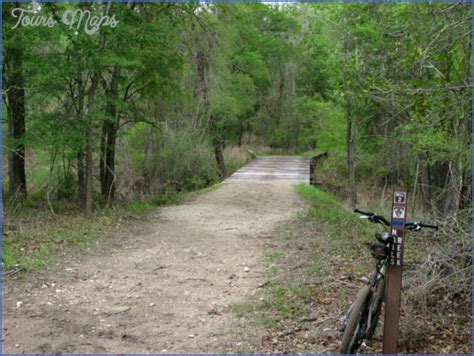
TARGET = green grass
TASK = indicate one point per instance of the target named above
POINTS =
(347, 235)
(236, 157)
(273, 255)
(280, 304)
(317, 269)
(325, 206)
(286, 299)
(218, 334)
(272, 151)
(150, 204)
(211, 188)
(273, 269)
(327, 209)
(244, 309)
(311, 153)
(37, 236)
(36, 243)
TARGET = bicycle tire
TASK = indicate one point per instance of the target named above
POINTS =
(376, 306)
(350, 340)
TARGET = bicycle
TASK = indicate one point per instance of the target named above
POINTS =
(362, 317)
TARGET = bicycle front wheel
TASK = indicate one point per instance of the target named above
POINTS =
(354, 333)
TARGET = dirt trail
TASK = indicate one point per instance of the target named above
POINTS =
(168, 288)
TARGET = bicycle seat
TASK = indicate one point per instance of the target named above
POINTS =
(384, 237)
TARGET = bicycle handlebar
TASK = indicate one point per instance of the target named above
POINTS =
(381, 220)
(418, 225)
(373, 218)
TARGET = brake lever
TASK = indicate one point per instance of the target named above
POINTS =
(417, 226)
(414, 227)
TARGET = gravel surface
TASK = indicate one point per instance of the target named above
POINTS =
(167, 285)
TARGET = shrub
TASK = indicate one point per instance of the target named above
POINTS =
(173, 160)
(235, 157)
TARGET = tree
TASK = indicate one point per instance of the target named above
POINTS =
(14, 97)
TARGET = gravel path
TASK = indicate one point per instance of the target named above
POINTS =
(168, 285)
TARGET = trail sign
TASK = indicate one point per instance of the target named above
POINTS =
(394, 272)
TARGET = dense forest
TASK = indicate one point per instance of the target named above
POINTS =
(152, 103)
(130, 104)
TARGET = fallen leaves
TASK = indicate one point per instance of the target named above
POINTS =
(315, 330)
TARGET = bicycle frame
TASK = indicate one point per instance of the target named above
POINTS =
(362, 317)
(375, 277)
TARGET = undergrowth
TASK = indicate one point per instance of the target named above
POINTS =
(346, 237)
(33, 237)
(35, 232)
(347, 234)
(436, 278)
(317, 276)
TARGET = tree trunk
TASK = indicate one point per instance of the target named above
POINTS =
(425, 183)
(81, 173)
(16, 118)
(103, 143)
(350, 138)
(88, 170)
(352, 177)
(89, 145)
(94, 77)
(108, 188)
(466, 193)
(110, 128)
(277, 107)
(350, 143)
(451, 203)
(11, 179)
(81, 179)
(201, 90)
(219, 153)
(241, 131)
(415, 186)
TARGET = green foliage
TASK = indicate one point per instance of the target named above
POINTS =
(325, 206)
(323, 124)
(281, 304)
(8, 261)
(178, 81)
(235, 158)
(281, 73)
(347, 234)
(177, 160)
(150, 204)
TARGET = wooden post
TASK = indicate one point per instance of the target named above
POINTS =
(394, 272)
(252, 154)
(312, 171)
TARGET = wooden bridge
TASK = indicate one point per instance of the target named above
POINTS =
(274, 168)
